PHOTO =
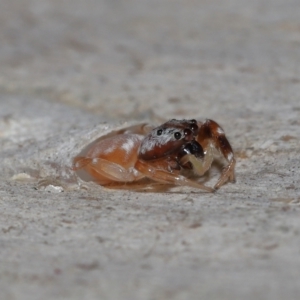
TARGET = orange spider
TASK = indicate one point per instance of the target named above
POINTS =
(160, 154)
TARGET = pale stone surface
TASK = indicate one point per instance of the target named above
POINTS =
(74, 70)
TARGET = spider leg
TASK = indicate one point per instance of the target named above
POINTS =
(200, 165)
(103, 169)
(210, 136)
(161, 175)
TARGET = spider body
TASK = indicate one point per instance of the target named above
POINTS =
(160, 154)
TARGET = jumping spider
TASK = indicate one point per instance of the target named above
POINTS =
(160, 154)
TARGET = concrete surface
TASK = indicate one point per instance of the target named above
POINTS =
(73, 70)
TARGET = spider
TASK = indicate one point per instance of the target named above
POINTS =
(160, 154)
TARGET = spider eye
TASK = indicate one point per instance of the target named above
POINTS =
(193, 125)
(159, 132)
(177, 135)
(187, 132)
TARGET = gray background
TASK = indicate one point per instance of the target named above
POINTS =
(67, 67)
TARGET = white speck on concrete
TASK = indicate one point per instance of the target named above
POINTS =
(54, 189)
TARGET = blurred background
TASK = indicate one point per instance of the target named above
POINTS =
(155, 59)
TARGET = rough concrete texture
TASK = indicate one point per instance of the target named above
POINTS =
(74, 70)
